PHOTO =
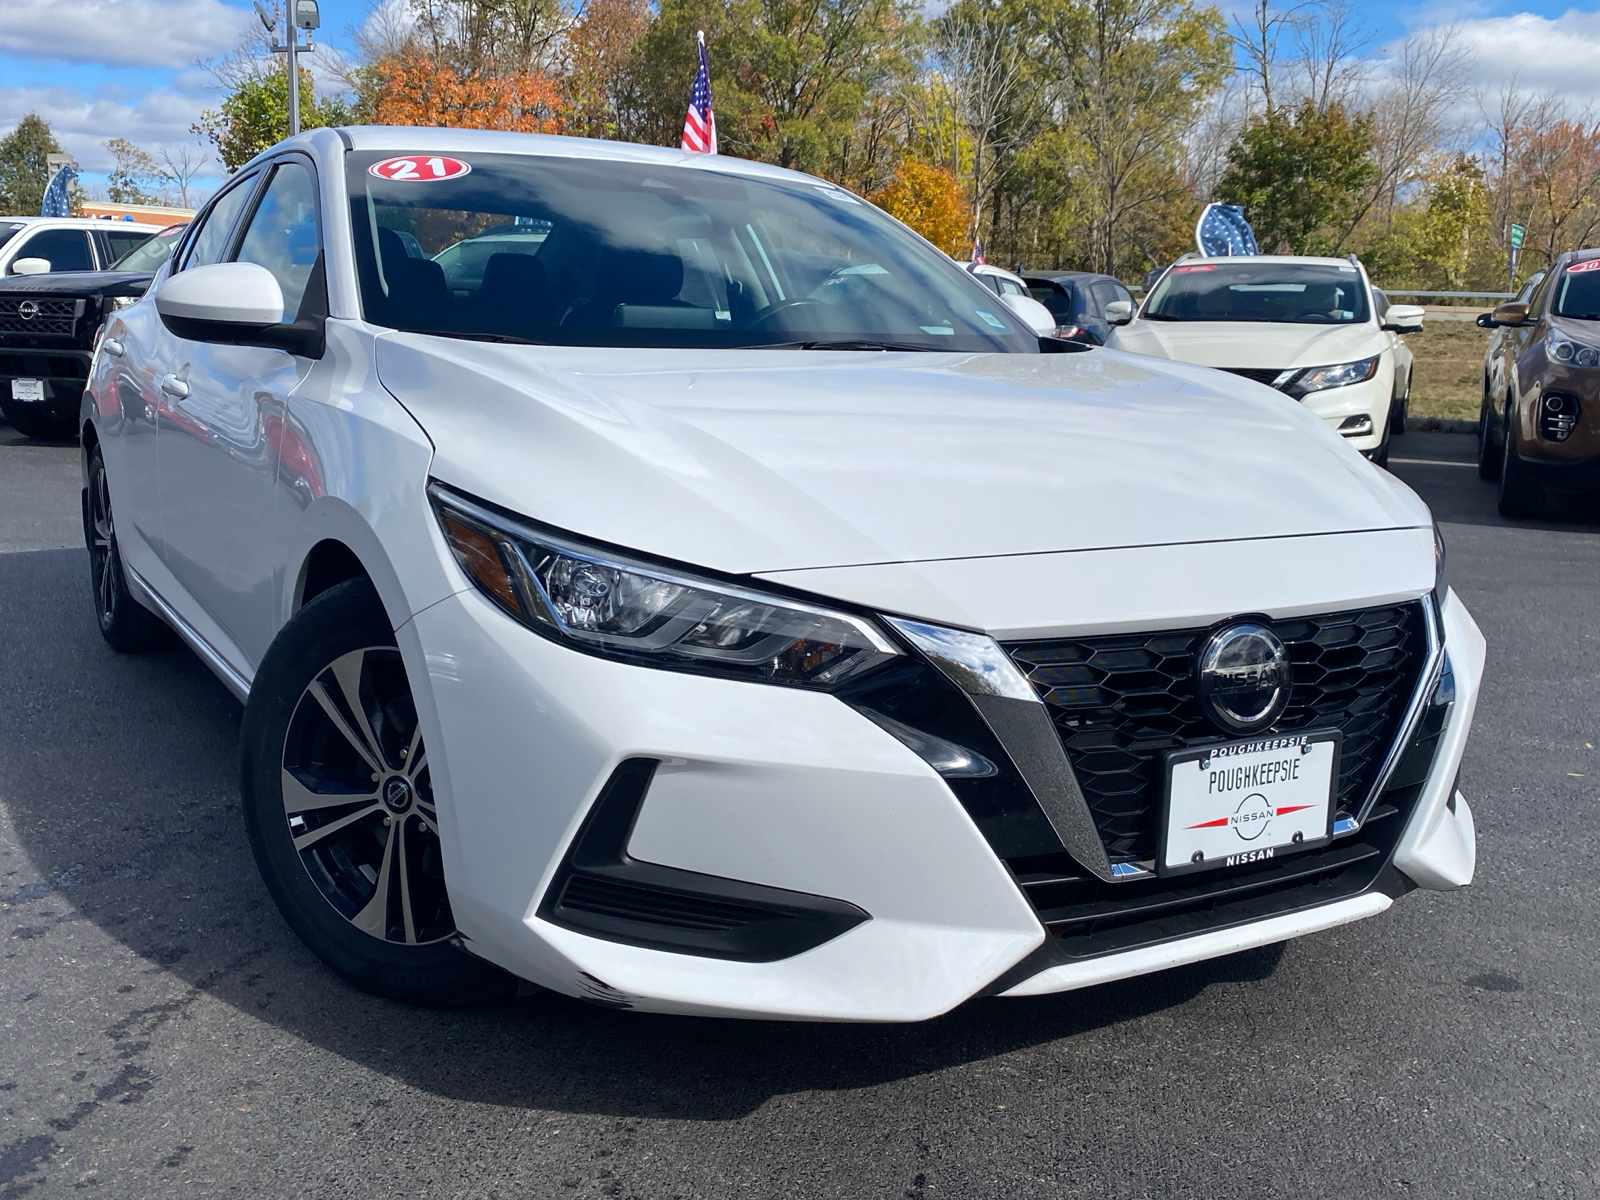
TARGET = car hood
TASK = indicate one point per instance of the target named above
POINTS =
(747, 461)
(77, 283)
(1260, 344)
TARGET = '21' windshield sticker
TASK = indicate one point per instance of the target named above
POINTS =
(419, 168)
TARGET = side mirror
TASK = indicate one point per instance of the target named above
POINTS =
(31, 266)
(1404, 318)
(1031, 313)
(1119, 312)
(1485, 321)
(235, 304)
(1511, 314)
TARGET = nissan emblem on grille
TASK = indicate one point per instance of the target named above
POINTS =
(28, 310)
(1243, 678)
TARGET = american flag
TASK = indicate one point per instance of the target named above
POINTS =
(700, 126)
(57, 200)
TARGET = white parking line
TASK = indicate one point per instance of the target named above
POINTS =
(1430, 462)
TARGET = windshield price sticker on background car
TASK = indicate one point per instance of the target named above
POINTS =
(1578, 268)
(1247, 802)
(419, 168)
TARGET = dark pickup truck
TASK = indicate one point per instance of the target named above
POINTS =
(48, 326)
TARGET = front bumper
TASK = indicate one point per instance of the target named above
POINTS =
(795, 790)
(1371, 399)
(65, 373)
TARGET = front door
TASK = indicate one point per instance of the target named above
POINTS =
(218, 459)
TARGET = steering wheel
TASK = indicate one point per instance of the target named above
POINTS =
(781, 306)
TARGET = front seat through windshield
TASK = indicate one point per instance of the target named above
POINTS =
(573, 251)
(1291, 293)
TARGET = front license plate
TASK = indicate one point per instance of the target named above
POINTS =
(1247, 801)
(28, 391)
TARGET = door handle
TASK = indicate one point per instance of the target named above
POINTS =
(174, 387)
(113, 347)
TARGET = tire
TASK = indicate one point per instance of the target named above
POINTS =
(359, 879)
(1398, 411)
(1521, 493)
(1488, 452)
(1380, 456)
(126, 625)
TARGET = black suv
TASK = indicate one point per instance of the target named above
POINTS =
(48, 326)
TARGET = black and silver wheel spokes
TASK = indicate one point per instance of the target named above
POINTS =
(359, 801)
(102, 560)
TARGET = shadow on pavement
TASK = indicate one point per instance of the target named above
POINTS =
(138, 827)
(1443, 467)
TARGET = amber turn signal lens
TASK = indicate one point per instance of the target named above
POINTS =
(480, 558)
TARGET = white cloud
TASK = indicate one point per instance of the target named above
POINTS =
(83, 122)
(1544, 54)
(120, 33)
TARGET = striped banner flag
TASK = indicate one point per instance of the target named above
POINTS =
(700, 126)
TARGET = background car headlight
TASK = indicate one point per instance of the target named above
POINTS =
(1572, 354)
(607, 604)
(1319, 379)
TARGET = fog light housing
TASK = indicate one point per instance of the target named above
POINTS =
(1558, 415)
(1357, 426)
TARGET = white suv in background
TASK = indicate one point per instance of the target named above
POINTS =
(1310, 327)
(40, 245)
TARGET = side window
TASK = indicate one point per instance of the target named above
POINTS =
(66, 249)
(121, 241)
(1123, 294)
(1101, 293)
(211, 243)
(282, 235)
(1380, 302)
(1540, 294)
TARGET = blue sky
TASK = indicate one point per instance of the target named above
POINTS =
(98, 69)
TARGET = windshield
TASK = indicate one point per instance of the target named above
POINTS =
(589, 252)
(151, 253)
(7, 232)
(1578, 296)
(1294, 293)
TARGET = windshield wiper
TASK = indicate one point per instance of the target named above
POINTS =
(477, 337)
(1150, 316)
(842, 344)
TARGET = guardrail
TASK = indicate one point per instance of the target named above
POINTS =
(1448, 295)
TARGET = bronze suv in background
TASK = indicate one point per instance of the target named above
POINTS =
(1539, 425)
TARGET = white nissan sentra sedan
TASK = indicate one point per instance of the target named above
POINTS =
(712, 601)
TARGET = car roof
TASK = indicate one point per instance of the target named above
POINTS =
(1313, 259)
(1064, 275)
(83, 223)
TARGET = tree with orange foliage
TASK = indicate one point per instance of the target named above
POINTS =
(928, 199)
(601, 50)
(414, 88)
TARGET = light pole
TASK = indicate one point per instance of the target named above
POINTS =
(303, 14)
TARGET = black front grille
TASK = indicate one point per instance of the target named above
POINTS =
(1260, 374)
(50, 317)
(1120, 703)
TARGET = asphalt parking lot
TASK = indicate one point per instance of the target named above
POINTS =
(163, 1034)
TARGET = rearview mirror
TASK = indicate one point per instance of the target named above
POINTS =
(1404, 318)
(31, 266)
(1119, 312)
(1511, 314)
(235, 304)
(1485, 321)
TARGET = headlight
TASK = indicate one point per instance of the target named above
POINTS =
(607, 604)
(1572, 354)
(121, 302)
(1320, 379)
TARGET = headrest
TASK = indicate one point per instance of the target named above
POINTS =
(513, 273)
(637, 276)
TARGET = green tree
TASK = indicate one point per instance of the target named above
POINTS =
(255, 116)
(134, 168)
(791, 79)
(24, 171)
(1305, 177)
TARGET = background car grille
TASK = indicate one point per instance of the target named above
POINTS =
(1121, 702)
(1260, 374)
(55, 317)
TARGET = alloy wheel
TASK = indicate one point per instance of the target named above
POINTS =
(359, 801)
(102, 547)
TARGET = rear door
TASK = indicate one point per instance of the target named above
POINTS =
(115, 242)
(219, 455)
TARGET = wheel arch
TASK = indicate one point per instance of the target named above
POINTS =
(334, 544)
